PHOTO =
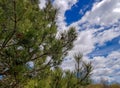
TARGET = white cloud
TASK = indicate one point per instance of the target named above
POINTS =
(107, 35)
(105, 13)
(84, 43)
(68, 64)
(101, 14)
(62, 5)
(117, 10)
(42, 4)
(106, 66)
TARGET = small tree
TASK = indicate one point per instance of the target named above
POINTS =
(82, 71)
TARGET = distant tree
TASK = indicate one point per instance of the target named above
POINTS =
(104, 83)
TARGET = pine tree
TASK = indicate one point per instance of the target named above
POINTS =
(28, 34)
(82, 71)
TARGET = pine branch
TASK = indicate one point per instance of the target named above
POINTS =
(9, 37)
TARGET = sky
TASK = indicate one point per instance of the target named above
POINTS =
(97, 23)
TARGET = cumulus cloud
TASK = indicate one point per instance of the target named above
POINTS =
(106, 66)
(105, 15)
(62, 5)
(84, 43)
(107, 35)
(98, 26)
(68, 64)
(102, 15)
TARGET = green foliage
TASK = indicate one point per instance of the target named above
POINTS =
(64, 79)
(28, 33)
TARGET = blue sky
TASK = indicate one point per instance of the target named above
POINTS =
(78, 10)
(97, 23)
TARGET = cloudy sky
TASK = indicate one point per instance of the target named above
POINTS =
(98, 25)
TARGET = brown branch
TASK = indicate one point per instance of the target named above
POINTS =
(44, 66)
(44, 54)
(39, 56)
(68, 42)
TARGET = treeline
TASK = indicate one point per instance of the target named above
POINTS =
(103, 86)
